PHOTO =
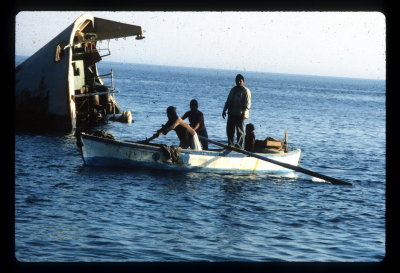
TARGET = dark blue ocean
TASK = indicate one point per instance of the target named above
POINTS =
(65, 211)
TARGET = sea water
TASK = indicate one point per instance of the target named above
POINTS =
(68, 212)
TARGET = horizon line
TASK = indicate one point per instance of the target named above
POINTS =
(251, 71)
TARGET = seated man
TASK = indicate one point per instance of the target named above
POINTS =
(250, 139)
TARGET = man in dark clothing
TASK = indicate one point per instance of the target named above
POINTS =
(250, 139)
(238, 105)
(196, 119)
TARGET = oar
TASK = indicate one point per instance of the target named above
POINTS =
(288, 166)
(147, 140)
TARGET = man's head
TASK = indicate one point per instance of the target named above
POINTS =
(194, 105)
(171, 112)
(239, 80)
(249, 128)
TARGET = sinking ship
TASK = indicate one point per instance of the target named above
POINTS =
(59, 87)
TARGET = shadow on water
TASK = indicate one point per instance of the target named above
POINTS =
(184, 176)
(43, 133)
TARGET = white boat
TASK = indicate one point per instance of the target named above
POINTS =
(99, 151)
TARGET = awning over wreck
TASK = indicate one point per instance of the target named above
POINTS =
(106, 29)
(99, 29)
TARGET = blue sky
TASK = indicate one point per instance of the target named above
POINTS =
(342, 44)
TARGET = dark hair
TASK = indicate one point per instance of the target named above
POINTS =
(239, 77)
(249, 128)
(171, 110)
(194, 103)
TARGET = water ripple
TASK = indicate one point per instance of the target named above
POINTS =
(65, 211)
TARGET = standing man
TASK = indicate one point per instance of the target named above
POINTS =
(238, 105)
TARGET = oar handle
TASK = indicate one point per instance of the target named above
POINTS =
(285, 165)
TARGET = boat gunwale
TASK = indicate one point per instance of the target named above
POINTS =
(223, 153)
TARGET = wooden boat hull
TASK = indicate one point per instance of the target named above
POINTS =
(97, 151)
